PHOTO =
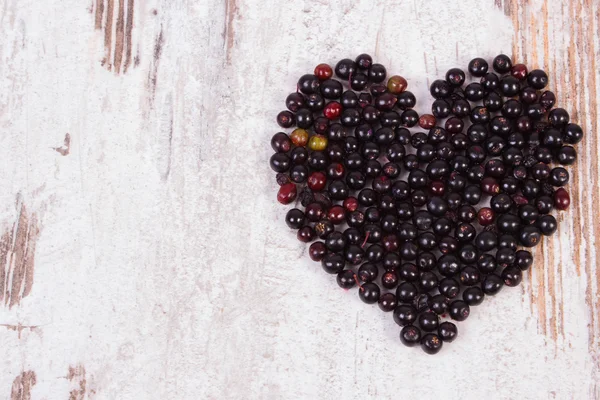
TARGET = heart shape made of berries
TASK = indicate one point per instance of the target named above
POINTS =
(426, 223)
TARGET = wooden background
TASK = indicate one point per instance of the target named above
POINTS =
(142, 255)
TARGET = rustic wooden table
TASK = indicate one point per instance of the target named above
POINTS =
(143, 255)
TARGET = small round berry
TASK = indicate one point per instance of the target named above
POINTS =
(333, 264)
(316, 181)
(345, 68)
(523, 260)
(455, 77)
(285, 119)
(332, 110)
(502, 64)
(530, 236)
(509, 86)
(492, 284)
(377, 73)
(431, 343)
(547, 224)
(317, 251)
(397, 84)
(295, 101)
(299, 137)
(364, 61)
(519, 71)
(478, 67)
(346, 279)
(317, 143)
(473, 296)
(547, 100)
(287, 193)
(459, 310)
(512, 276)
(427, 121)
(573, 133)
(410, 336)
(295, 218)
(474, 92)
(323, 72)
(387, 302)
(428, 321)
(440, 89)
(369, 293)
(359, 81)
(405, 314)
(449, 287)
(367, 272)
(537, 79)
(558, 176)
(447, 331)
(306, 234)
(389, 279)
(281, 143)
(309, 84)
(567, 155)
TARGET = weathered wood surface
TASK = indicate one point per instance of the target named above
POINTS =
(143, 255)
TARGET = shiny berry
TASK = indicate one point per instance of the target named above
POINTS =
(317, 181)
(396, 84)
(478, 67)
(431, 343)
(287, 193)
(428, 321)
(502, 64)
(333, 263)
(492, 284)
(369, 293)
(512, 276)
(410, 336)
(537, 79)
(332, 110)
(473, 296)
(459, 310)
(299, 137)
(308, 84)
(317, 251)
(519, 71)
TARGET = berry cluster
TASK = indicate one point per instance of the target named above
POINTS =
(395, 210)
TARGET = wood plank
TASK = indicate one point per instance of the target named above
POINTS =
(133, 145)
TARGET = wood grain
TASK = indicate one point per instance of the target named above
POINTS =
(574, 74)
(163, 268)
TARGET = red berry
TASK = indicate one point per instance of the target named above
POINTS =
(427, 121)
(317, 251)
(287, 193)
(323, 72)
(490, 185)
(562, 199)
(305, 234)
(519, 71)
(437, 188)
(485, 216)
(336, 214)
(332, 110)
(314, 212)
(351, 204)
(316, 181)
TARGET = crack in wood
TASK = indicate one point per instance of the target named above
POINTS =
(21, 386)
(17, 262)
(118, 55)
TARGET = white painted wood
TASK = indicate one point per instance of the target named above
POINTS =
(163, 266)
